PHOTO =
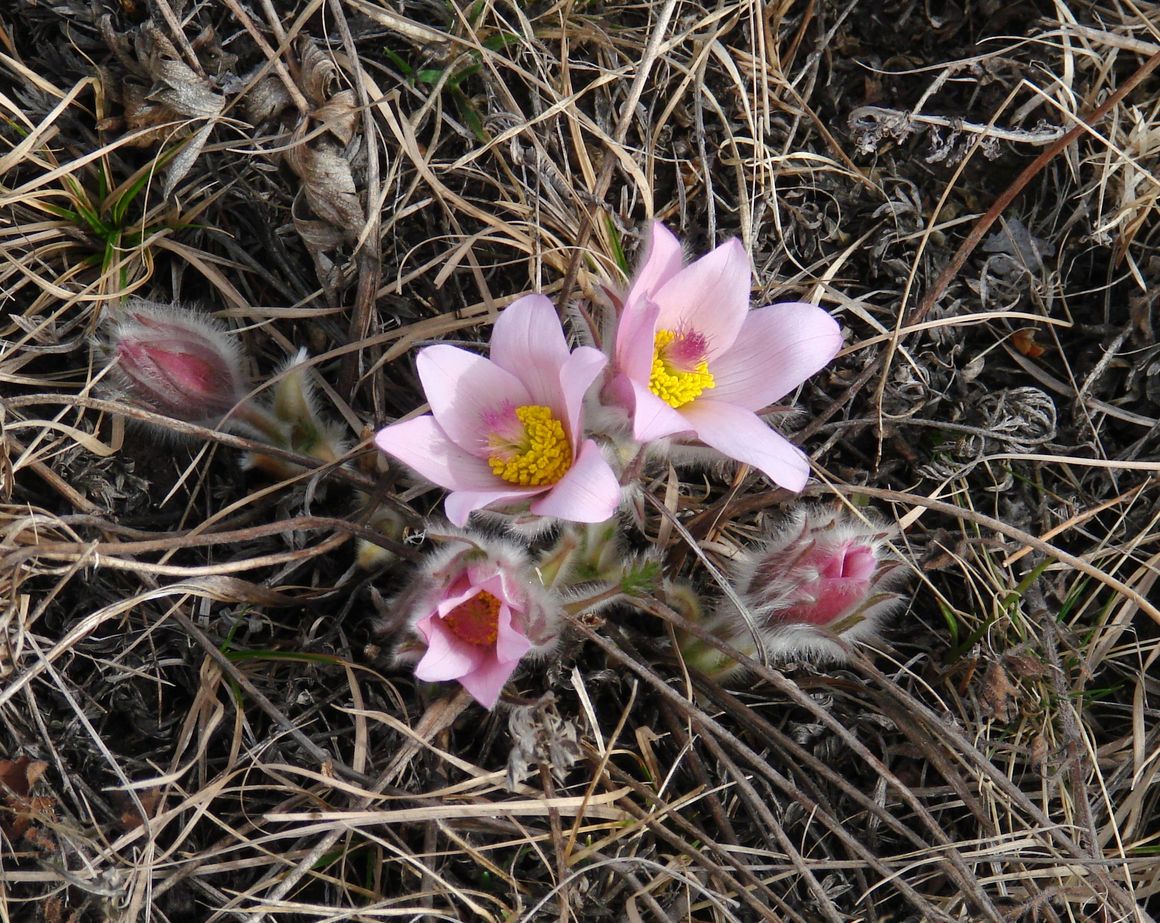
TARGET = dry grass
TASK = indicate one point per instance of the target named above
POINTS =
(196, 721)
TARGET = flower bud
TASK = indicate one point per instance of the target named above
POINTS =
(823, 575)
(294, 421)
(177, 362)
(473, 612)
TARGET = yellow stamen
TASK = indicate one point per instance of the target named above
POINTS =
(673, 385)
(542, 457)
(475, 621)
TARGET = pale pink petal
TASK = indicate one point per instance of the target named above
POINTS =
(710, 297)
(422, 445)
(495, 582)
(652, 418)
(662, 260)
(447, 656)
(742, 435)
(486, 681)
(461, 387)
(777, 349)
(589, 492)
(636, 339)
(528, 342)
(460, 504)
(455, 599)
(510, 643)
(575, 376)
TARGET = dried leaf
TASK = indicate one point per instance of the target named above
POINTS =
(175, 84)
(18, 809)
(19, 775)
(1019, 244)
(318, 72)
(266, 100)
(339, 115)
(183, 162)
(1024, 341)
(998, 695)
(541, 737)
(1026, 666)
(328, 184)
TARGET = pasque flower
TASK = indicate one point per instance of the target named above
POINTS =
(691, 358)
(823, 574)
(475, 610)
(507, 430)
(177, 362)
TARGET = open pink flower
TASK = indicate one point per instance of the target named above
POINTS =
(507, 430)
(480, 610)
(692, 359)
(178, 362)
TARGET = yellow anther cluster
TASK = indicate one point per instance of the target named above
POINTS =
(672, 385)
(543, 456)
(475, 621)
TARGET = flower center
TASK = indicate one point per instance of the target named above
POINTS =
(680, 371)
(528, 446)
(475, 621)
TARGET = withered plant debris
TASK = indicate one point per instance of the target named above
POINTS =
(197, 718)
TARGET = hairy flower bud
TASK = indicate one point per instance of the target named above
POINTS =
(294, 421)
(473, 612)
(822, 575)
(177, 362)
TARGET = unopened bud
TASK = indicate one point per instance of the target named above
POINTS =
(824, 573)
(177, 362)
(293, 422)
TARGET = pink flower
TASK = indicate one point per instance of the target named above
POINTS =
(479, 610)
(507, 430)
(179, 363)
(691, 359)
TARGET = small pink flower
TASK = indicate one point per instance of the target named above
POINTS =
(177, 362)
(507, 430)
(822, 573)
(691, 359)
(479, 610)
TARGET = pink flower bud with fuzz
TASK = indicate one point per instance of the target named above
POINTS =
(823, 575)
(177, 362)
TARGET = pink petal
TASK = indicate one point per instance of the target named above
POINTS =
(454, 599)
(635, 340)
(575, 376)
(662, 260)
(652, 418)
(589, 492)
(510, 644)
(742, 435)
(710, 296)
(460, 504)
(486, 681)
(528, 342)
(422, 445)
(447, 656)
(461, 387)
(777, 349)
(496, 582)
